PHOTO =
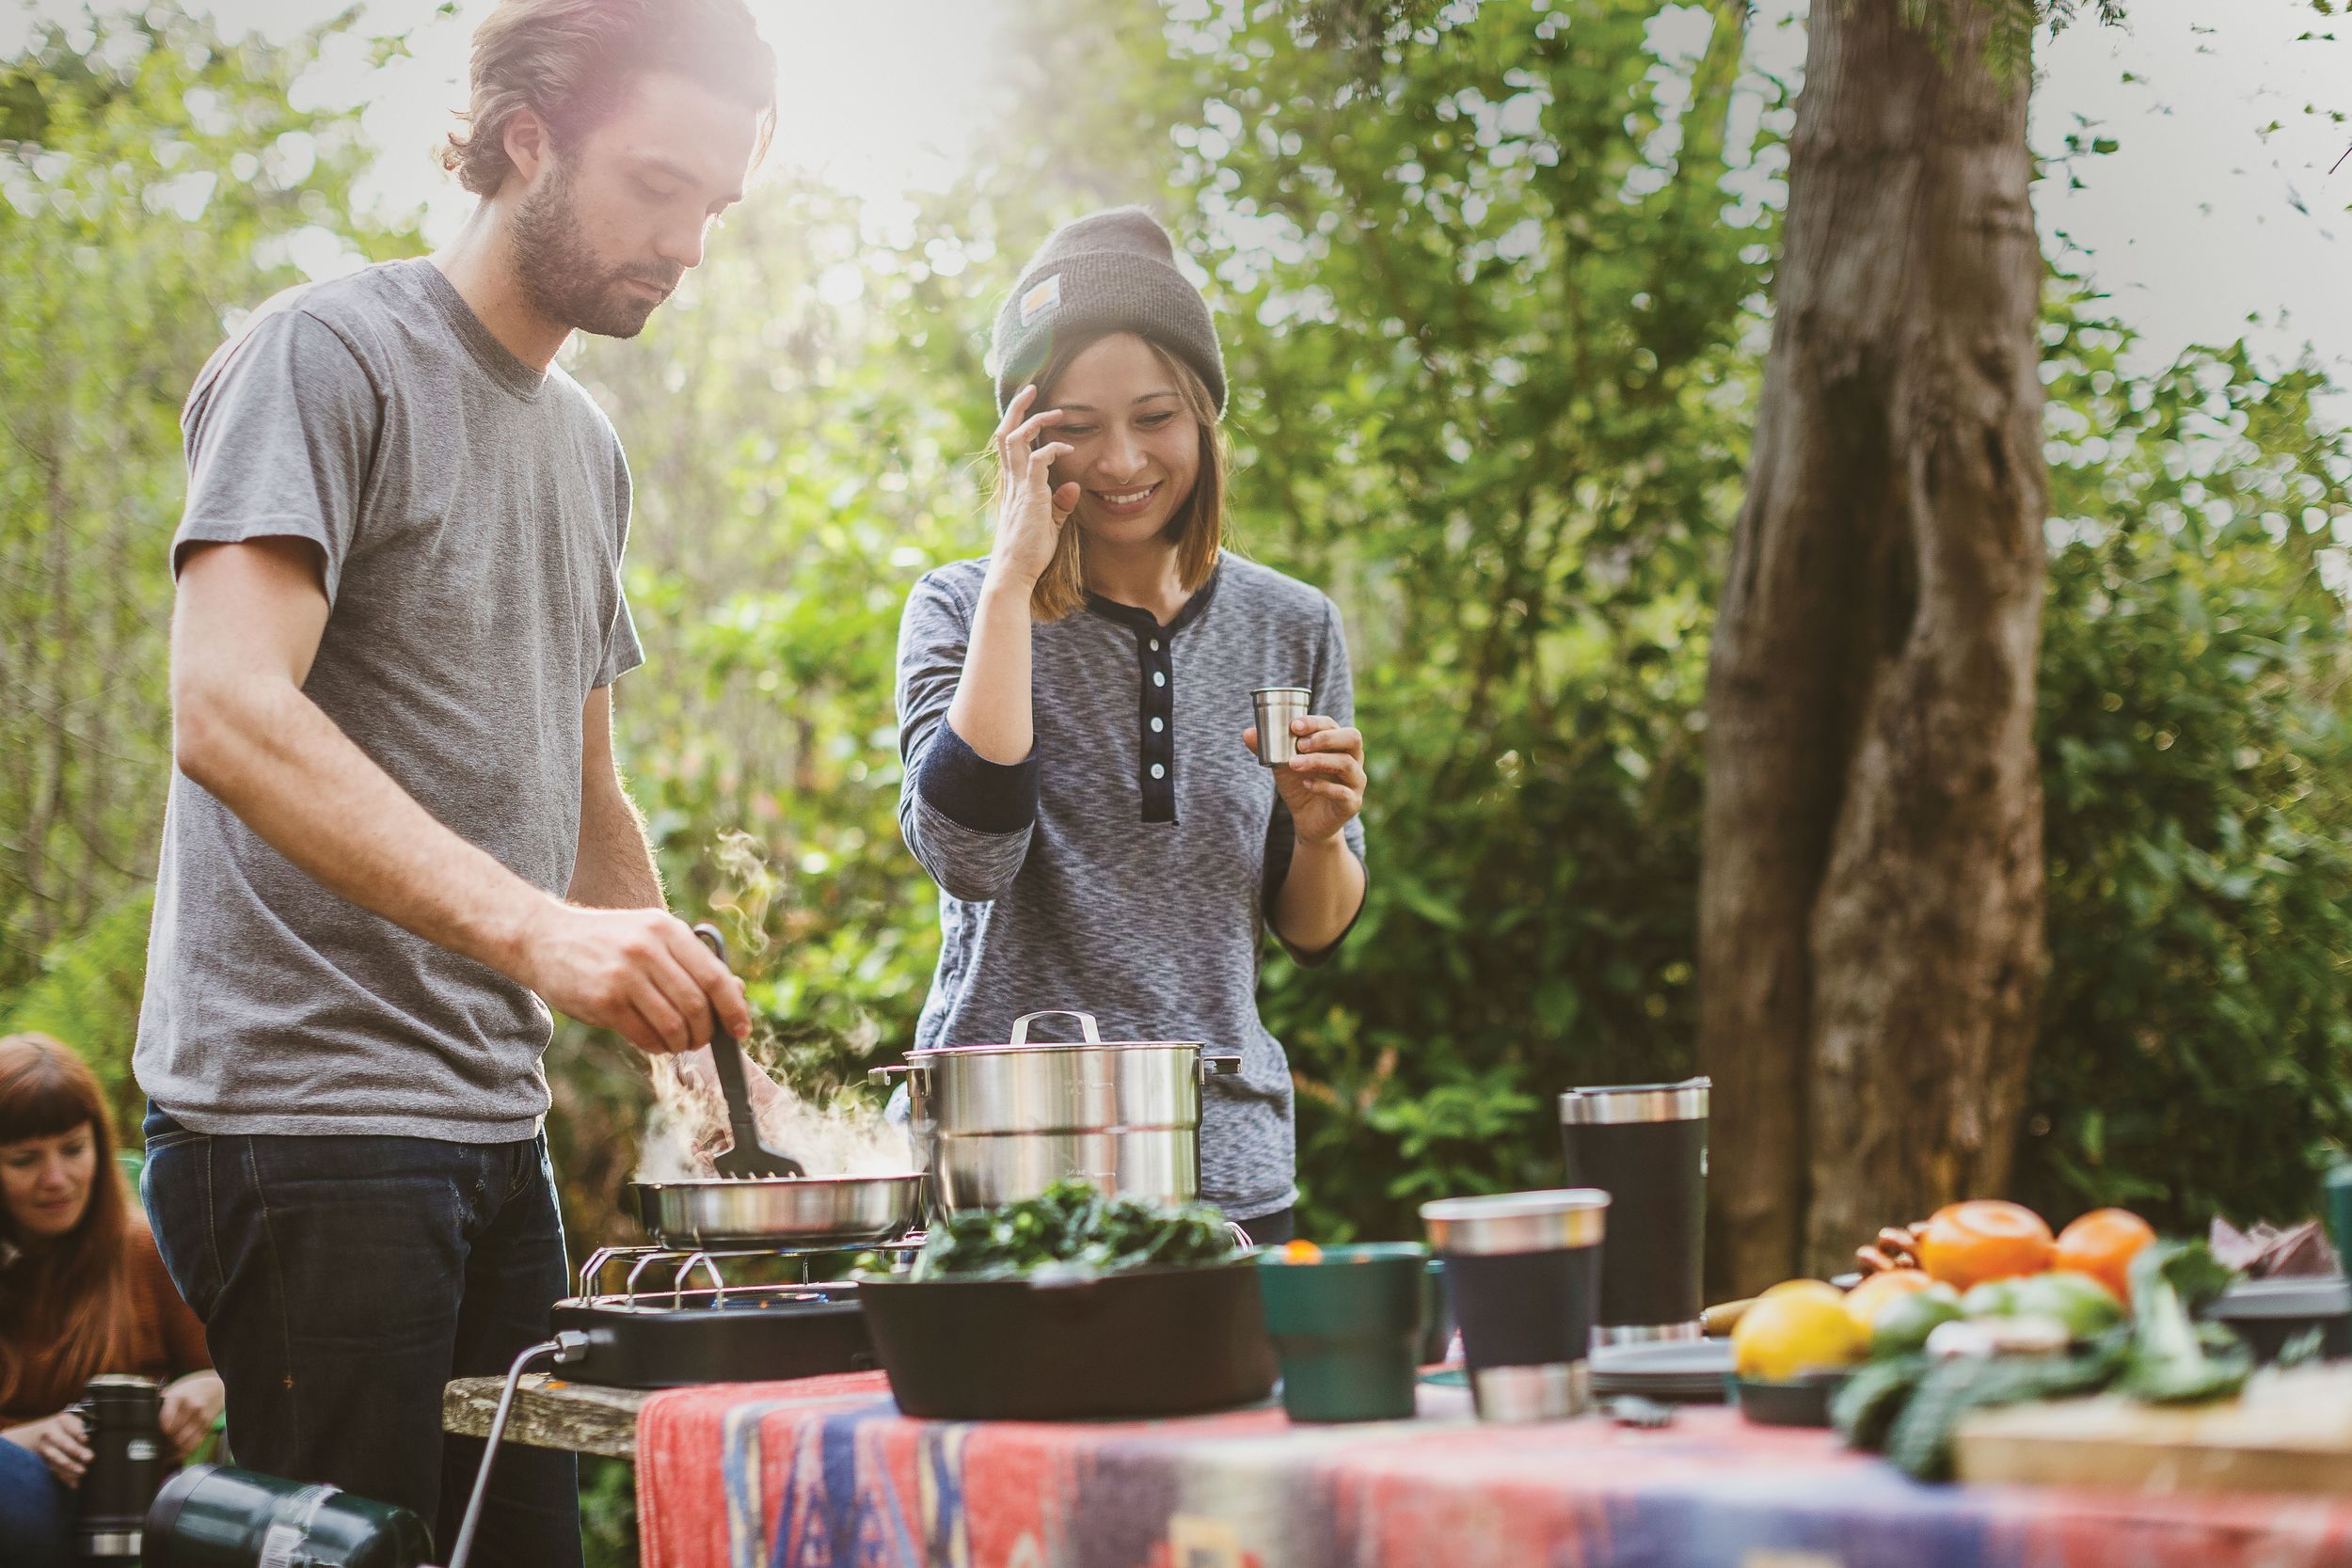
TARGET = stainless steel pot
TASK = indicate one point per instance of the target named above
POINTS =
(1000, 1123)
(804, 1211)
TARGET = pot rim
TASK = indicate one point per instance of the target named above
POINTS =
(1036, 1047)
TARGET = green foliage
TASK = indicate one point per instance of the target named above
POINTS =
(608, 1511)
(86, 994)
(2197, 1050)
(150, 184)
(1491, 329)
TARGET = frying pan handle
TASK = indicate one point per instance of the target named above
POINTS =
(726, 1055)
(1220, 1067)
(1086, 1024)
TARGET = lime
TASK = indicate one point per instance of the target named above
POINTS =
(1995, 1298)
(1903, 1325)
(2085, 1307)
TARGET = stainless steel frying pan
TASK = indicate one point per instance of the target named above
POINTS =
(800, 1211)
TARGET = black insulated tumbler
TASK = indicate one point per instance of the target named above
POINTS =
(1645, 1145)
(1523, 1273)
(122, 1420)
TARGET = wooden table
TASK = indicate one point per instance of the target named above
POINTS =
(548, 1413)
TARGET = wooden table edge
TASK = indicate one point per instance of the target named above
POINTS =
(548, 1413)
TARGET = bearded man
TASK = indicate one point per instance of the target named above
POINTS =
(395, 837)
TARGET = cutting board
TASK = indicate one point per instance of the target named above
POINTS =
(2289, 1431)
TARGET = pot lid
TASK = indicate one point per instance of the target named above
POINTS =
(1094, 1039)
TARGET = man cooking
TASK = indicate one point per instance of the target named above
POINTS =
(395, 837)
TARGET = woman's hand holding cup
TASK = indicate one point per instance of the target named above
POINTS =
(1324, 784)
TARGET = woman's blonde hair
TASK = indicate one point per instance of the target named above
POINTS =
(1198, 526)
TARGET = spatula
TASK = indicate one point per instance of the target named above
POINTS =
(749, 1157)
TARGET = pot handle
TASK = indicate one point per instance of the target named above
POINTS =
(1086, 1024)
(1220, 1067)
(881, 1076)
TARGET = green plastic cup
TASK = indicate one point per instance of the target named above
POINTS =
(2338, 1191)
(1346, 1328)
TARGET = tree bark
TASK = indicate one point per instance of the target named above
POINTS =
(1871, 913)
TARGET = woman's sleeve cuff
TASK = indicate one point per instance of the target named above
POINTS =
(973, 792)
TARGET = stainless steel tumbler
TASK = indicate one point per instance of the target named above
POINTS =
(1523, 1273)
(1277, 705)
(1645, 1145)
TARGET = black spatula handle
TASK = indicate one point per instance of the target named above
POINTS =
(726, 1055)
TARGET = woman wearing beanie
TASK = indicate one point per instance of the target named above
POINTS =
(1075, 712)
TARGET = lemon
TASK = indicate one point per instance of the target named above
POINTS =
(1791, 1330)
(1819, 1289)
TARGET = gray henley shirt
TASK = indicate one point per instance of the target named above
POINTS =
(1126, 869)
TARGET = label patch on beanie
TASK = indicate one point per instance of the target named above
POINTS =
(1043, 296)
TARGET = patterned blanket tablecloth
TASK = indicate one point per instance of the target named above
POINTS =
(825, 1473)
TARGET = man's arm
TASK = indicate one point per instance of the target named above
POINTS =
(614, 867)
(245, 630)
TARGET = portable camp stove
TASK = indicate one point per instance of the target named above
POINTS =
(677, 1321)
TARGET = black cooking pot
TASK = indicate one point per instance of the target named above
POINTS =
(1154, 1341)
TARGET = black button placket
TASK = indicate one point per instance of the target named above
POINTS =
(1155, 702)
(1157, 771)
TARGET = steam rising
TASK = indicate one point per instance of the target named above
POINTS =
(688, 1128)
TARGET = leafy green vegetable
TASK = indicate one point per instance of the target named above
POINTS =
(1919, 1438)
(1870, 1400)
(1072, 1228)
(1909, 1407)
(2172, 1360)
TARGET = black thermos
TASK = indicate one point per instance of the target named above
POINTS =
(1645, 1145)
(122, 1419)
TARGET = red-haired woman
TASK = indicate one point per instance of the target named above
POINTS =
(81, 1291)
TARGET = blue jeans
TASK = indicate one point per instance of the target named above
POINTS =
(36, 1511)
(342, 1282)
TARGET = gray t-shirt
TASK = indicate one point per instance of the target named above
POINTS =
(471, 513)
(1127, 868)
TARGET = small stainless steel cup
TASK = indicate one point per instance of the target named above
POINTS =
(1277, 707)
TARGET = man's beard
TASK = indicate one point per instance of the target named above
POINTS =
(561, 273)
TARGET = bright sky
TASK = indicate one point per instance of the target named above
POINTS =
(2201, 220)
(878, 94)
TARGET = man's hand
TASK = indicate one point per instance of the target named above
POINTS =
(58, 1442)
(642, 973)
(190, 1406)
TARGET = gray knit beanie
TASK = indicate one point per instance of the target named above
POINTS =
(1112, 271)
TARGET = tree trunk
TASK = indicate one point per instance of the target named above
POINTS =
(1871, 919)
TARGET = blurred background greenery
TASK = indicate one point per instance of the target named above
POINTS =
(1494, 305)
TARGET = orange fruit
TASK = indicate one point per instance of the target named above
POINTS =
(1967, 1244)
(1865, 1300)
(2102, 1244)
